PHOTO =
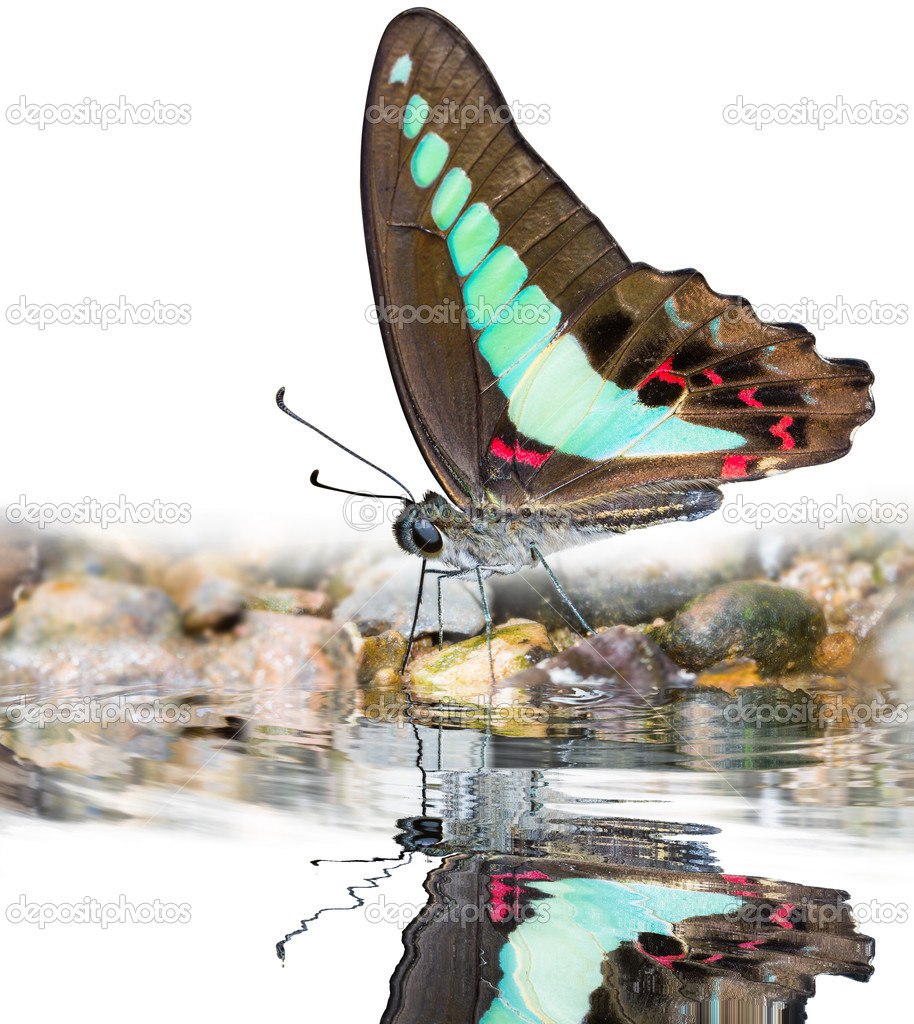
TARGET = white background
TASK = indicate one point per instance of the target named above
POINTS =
(251, 215)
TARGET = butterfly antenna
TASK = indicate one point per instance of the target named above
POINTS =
(359, 494)
(282, 405)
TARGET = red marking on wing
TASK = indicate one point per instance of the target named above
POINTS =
(664, 372)
(501, 450)
(747, 396)
(499, 889)
(738, 878)
(711, 959)
(714, 378)
(782, 913)
(517, 454)
(664, 961)
(734, 467)
(780, 430)
(751, 945)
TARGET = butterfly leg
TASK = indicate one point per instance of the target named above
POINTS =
(558, 586)
(412, 628)
(440, 617)
(488, 616)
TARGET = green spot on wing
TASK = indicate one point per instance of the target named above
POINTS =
(492, 284)
(450, 196)
(520, 330)
(678, 437)
(415, 116)
(472, 237)
(552, 400)
(402, 69)
(428, 160)
(558, 399)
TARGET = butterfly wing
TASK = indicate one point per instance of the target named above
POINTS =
(532, 358)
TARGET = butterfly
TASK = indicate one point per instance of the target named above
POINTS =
(557, 390)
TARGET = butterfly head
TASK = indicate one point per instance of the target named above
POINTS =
(422, 527)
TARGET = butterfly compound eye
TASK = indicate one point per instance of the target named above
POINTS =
(426, 537)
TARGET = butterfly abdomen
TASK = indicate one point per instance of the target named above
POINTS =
(502, 539)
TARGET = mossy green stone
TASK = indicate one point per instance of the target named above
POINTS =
(778, 627)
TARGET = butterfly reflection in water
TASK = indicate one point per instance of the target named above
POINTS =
(557, 391)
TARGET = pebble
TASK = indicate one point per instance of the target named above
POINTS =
(289, 601)
(385, 600)
(618, 663)
(18, 568)
(607, 595)
(92, 611)
(277, 654)
(462, 673)
(885, 656)
(778, 627)
(835, 653)
(383, 653)
(208, 590)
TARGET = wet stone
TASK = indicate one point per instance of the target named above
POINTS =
(607, 596)
(462, 673)
(885, 656)
(619, 663)
(835, 653)
(894, 566)
(779, 628)
(731, 675)
(92, 611)
(208, 591)
(289, 601)
(18, 568)
(383, 653)
(386, 598)
(275, 653)
(80, 668)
